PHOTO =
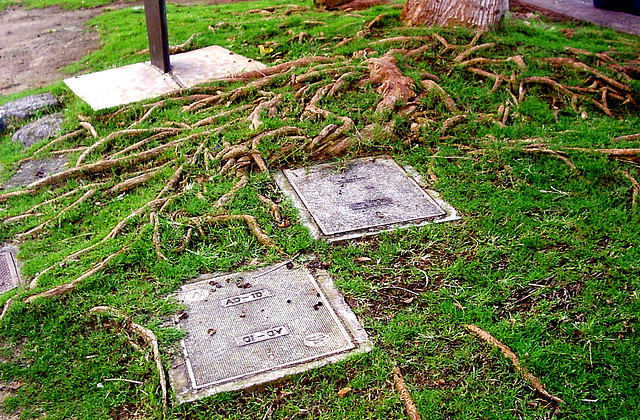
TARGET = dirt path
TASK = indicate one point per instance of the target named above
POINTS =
(35, 44)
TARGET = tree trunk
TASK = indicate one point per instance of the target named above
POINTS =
(480, 14)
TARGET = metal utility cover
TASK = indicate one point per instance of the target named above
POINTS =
(362, 196)
(9, 277)
(248, 328)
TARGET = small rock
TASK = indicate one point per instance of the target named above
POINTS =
(26, 107)
(40, 129)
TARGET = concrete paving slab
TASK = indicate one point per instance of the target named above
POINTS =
(245, 329)
(122, 85)
(584, 10)
(140, 81)
(9, 269)
(361, 197)
(205, 64)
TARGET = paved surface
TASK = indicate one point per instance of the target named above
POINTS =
(585, 11)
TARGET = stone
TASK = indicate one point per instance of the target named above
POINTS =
(28, 106)
(33, 170)
(243, 329)
(41, 129)
(361, 197)
(3, 124)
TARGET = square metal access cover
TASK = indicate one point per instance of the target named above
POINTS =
(249, 328)
(361, 197)
(9, 274)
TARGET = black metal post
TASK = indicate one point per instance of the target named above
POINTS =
(156, 15)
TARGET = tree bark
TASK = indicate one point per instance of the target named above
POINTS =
(480, 14)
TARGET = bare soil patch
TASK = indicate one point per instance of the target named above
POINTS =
(38, 43)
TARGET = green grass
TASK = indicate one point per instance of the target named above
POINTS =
(545, 258)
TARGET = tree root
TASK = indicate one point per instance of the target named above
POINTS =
(271, 106)
(214, 118)
(90, 128)
(506, 352)
(68, 136)
(405, 396)
(563, 61)
(273, 209)
(280, 68)
(122, 133)
(244, 180)
(636, 189)
(155, 221)
(167, 133)
(149, 339)
(395, 88)
(104, 165)
(68, 287)
(251, 222)
(35, 230)
(432, 86)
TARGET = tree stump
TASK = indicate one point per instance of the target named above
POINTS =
(479, 14)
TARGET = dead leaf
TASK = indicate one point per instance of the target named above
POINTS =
(363, 259)
(344, 391)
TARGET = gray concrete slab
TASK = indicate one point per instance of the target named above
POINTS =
(140, 81)
(361, 197)
(9, 269)
(585, 11)
(245, 329)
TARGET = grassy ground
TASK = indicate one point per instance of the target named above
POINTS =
(546, 257)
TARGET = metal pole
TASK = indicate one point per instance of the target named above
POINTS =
(156, 17)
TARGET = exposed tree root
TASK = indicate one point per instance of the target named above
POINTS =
(90, 128)
(563, 61)
(244, 179)
(155, 221)
(506, 352)
(68, 136)
(122, 133)
(280, 68)
(214, 118)
(273, 208)
(149, 339)
(35, 230)
(68, 287)
(395, 88)
(251, 222)
(430, 86)
(636, 189)
(5, 308)
(271, 106)
(405, 396)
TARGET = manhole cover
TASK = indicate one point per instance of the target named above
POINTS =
(9, 277)
(248, 328)
(361, 197)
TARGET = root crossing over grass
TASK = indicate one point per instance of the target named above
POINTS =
(509, 354)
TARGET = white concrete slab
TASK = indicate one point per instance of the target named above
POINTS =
(140, 81)
(205, 64)
(122, 85)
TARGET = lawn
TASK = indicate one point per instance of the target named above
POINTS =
(545, 257)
